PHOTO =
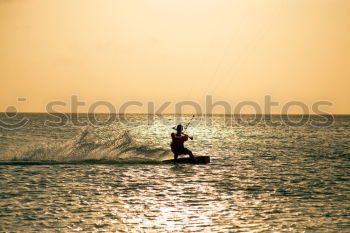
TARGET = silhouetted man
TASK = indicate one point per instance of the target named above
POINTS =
(177, 144)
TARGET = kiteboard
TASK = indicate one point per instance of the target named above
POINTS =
(199, 160)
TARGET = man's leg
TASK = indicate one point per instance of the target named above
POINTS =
(188, 152)
(175, 157)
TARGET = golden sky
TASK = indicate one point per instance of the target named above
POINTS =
(174, 50)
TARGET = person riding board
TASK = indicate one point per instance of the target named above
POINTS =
(177, 144)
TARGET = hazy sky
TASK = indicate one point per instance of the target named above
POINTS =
(173, 50)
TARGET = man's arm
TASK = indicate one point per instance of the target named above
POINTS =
(188, 137)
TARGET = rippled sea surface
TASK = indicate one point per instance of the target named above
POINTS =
(109, 177)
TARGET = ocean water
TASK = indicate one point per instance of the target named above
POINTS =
(263, 177)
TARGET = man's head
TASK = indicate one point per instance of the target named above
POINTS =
(179, 128)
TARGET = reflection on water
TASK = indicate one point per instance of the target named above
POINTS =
(179, 198)
(260, 179)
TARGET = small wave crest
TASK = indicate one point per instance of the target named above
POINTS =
(94, 145)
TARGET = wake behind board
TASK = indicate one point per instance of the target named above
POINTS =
(199, 160)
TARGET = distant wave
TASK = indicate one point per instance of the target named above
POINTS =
(91, 145)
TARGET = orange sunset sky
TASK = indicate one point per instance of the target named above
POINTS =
(174, 50)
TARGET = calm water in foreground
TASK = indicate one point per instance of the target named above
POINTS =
(262, 178)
